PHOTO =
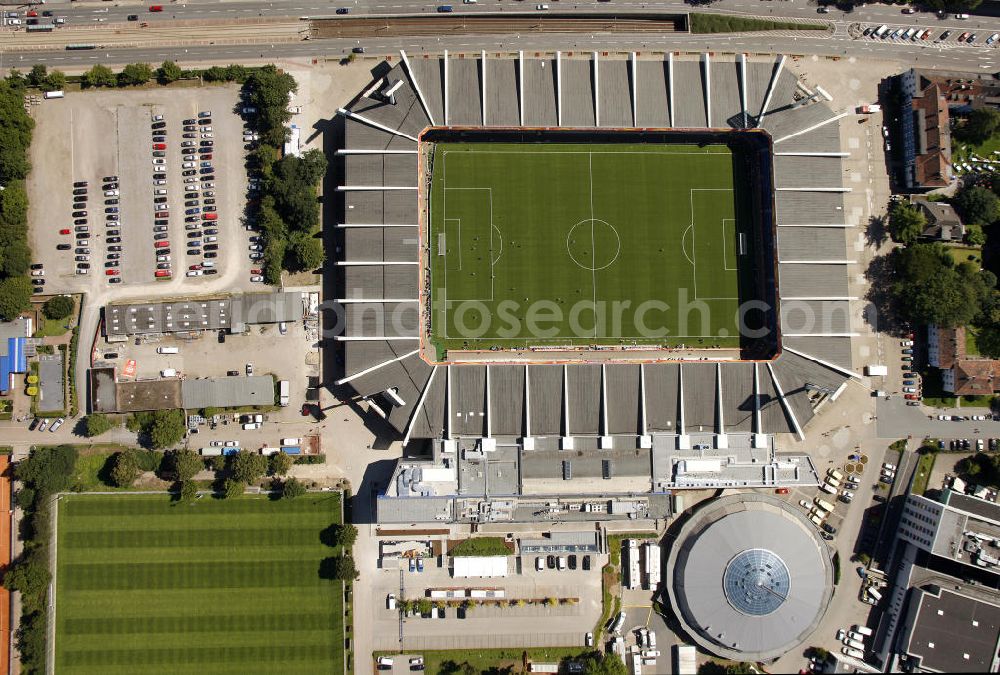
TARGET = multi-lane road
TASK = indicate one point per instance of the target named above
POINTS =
(183, 31)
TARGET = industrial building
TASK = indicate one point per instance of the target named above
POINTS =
(945, 631)
(959, 527)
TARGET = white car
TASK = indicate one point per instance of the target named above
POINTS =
(58, 423)
(38, 273)
(217, 444)
(804, 504)
(541, 7)
(159, 181)
(187, 165)
(157, 118)
(111, 193)
(256, 278)
(232, 444)
(160, 191)
(159, 161)
(194, 273)
(249, 426)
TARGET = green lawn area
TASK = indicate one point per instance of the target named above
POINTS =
(221, 586)
(971, 348)
(481, 546)
(961, 254)
(923, 473)
(538, 244)
(482, 660)
(51, 327)
(718, 23)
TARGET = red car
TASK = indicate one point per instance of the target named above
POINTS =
(111, 272)
(64, 231)
(195, 267)
(161, 244)
(256, 272)
(163, 214)
(159, 146)
(31, 13)
(912, 397)
(210, 216)
(162, 273)
(781, 491)
(156, 8)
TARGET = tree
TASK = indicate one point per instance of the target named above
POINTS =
(306, 252)
(54, 81)
(97, 424)
(215, 74)
(974, 235)
(603, 664)
(930, 289)
(99, 75)
(292, 488)
(906, 222)
(168, 72)
(339, 567)
(979, 126)
(15, 297)
(977, 204)
(48, 470)
(247, 467)
(988, 341)
(181, 465)
(124, 468)
(346, 535)
(37, 74)
(232, 489)
(188, 492)
(59, 307)
(135, 74)
(279, 463)
(167, 428)
(27, 577)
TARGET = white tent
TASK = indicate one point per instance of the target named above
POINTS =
(480, 566)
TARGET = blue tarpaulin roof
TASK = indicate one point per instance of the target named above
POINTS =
(14, 361)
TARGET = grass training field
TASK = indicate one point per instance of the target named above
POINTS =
(220, 586)
(554, 244)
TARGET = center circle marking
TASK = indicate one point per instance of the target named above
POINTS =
(584, 235)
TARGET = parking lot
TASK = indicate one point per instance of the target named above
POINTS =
(107, 162)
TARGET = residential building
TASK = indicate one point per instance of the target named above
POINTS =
(961, 374)
(943, 223)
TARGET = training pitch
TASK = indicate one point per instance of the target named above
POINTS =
(572, 244)
(147, 586)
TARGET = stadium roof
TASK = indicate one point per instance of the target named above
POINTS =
(749, 577)
(379, 247)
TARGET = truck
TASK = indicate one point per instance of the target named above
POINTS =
(876, 371)
(54, 94)
(167, 350)
(283, 387)
(210, 452)
(168, 372)
(685, 660)
(823, 504)
(291, 441)
(863, 630)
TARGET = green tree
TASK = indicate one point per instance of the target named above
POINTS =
(54, 81)
(188, 492)
(306, 252)
(167, 428)
(974, 235)
(168, 72)
(15, 134)
(58, 307)
(16, 79)
(15, 297)
(279, 463)
(930, 289)
(232, 488)
(99, 75)
(27, 577)
(124, 468)
(37, 74)
(988, 341)
(247, 467)
(16, 256)
(979, 126)
(181, 465)
(96, 424)
(346, 535)
(906, 222)
(48, 470)
(135, 74)
(977, 204)
(292, 488)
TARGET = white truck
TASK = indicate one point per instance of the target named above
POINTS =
(283, 395)
(876, 371)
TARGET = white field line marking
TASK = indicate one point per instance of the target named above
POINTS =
(593, 246)
(725, 244)
(694, 247)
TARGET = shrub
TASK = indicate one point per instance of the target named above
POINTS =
(232, 489)
(58, 307)
(96, 424)
(292, 488)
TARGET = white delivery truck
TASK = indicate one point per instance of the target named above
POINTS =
(167, 350)
(876, 371)
(291, 441)
(55, 94)
(283, 396)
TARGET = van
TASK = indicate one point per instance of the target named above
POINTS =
(874, 594)
(249, 426)
(889, 467)
(651, 639)
(853, 653)
(829, 489)
(864, 630)
(167, 350)
(856, 636)
(880, 31)
(833, 482)
(291, 441)
(909, 34)
(823, 504)
(835, 474)
(168, 372)
(854, 644)
(818, 512)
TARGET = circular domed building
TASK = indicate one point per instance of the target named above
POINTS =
(749, 578)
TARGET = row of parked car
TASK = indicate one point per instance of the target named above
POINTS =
(553, 562)
(81, 228)
(201, 217)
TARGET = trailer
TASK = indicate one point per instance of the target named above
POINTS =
(210, 452)
(291, 450)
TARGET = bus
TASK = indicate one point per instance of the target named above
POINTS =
(41, 28)
(80, 46)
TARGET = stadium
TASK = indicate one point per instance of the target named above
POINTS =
(592, 204)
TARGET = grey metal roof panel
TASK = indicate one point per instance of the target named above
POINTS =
(359, 356)
(380, 206)
(227, 392)
(364, 169)
(391, 319)
(812, 243)
(689, 95)
(501, 93)
(835, 350)
(615, 93)
(816, 316)
(429, 420)
(363, 243)
(361, 136)
(794, 372)
(401, 143)
(545, 384)
(584, 399)
(821, 139)
(782, 95)
(468, 400)
(699, 396)
(808, 172)
(623, 401)
(401, 281)
(813, 281)
(363, 282)
(727, 108)
(399, 244)
(465, 104)
(653, 95)
(506, 400)
(809, 208)
(662, 391)
(540, 93)
(428, 74)
(773, 418)
(758, 78)
(577, 93)
(406, 116)
(789, 121)
(400, 170)
(737, 396)
(415, 509)
(392, 375)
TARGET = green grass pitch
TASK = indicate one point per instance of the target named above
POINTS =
(551, 244)
(145, 586)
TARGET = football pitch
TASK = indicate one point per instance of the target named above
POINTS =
(218, 586)
(557, 244)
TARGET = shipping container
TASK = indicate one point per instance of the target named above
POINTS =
(292, 450)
